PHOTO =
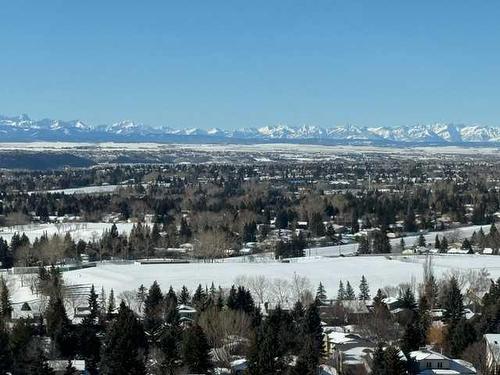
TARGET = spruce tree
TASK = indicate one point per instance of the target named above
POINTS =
(364, 290)
(378, 361)
(5, 303)
(349, 292)
(321, 294)
(195, 350)
(437, 243)
(364, 245)
(111, 304)
(341, 293)
(312, 328)
(421, 241)
(93, 305)
(184, 297)
(453, 302)
(407, 300)
(153, 306)
(124, 345)
(6, 360)
(394, 364)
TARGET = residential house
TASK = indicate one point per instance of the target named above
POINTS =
(429, 362)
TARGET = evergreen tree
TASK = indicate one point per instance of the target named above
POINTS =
(364, 245)
(169, 345)
(349, 292)
(153, 305)
(444, 245)
(316, 225)
(341, 295)
(421, 241)
(437, 243)
(111, 304)
(93, 305)
(364, 289)
(199, 298)
(453, 302)
(6, 360)
(381, 243)
(307, 360)
(407, 300)
(184, 297)
(466, 245)
(124, 345)
(5, 303)
(378, 361)
(394, 364)
(321, 294)
(195, 350)
(312, 329)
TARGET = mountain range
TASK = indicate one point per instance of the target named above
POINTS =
(23, 128)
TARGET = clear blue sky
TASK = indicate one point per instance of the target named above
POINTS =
(250, 63)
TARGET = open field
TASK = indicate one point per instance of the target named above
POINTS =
(380, 271)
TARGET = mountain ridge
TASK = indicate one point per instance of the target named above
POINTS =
(23, 128)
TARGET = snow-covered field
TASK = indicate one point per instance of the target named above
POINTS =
(380, 271)
(79, 231)
(458, 233)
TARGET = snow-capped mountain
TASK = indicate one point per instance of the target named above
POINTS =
(23, 128)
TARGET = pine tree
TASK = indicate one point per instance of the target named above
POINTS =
(5, 303)
(93, 305)
(111, 304)
(184, 297)
(312, 328)
(349, 292)
(307, 361)
(407, 300)
(381, 243)
(341, 293)
(364, 290)
(394, 364)
(199, 298)
(195, 350)
(124, 345)
(5, 350)
(153, 305)
(378, 362)
(437, 243)
(453, 302)
(102, 302)
(364, 245)
(321, 294)
(444, 245)
(169, 345)
(421, 241)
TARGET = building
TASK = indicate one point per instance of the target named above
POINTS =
(429, 362)
(492, 357)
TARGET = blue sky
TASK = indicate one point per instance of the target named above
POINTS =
(251, 63)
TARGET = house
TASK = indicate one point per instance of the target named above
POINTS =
(26, 310)
(492, 353)
(429, 362)
(186, 313)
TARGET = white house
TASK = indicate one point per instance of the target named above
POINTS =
(431, 362)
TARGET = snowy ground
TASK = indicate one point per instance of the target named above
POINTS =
(79, 231)
(458, 233)
(380, 271)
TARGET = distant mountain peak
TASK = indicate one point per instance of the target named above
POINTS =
(23, 128)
